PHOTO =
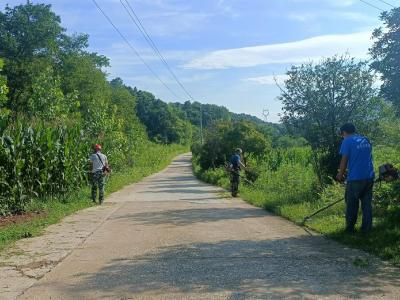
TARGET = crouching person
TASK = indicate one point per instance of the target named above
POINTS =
(356, 152)
(99, 170)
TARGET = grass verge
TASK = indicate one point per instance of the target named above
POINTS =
(294, 200)
(58, 208)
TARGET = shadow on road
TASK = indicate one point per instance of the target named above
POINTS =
(192, 215)
(174, 179)
(283, 268)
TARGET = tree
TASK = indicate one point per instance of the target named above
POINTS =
(318, 99)
(86, 85)
(211, 113)
(386, 55)
(287, 141)
(224, 137)
(164, 122)
(245, 135)
(122, 129)
(124, 104)
(50, 74)
(27, 32)
(388, 131)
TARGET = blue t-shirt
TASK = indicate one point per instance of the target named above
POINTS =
(235, 161)
(359, 152)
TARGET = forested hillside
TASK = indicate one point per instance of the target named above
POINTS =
(180, 122)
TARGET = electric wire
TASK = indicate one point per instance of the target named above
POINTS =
(387, 3)
(150, 41)
(134, 49)
(372, 5)
(136, 20)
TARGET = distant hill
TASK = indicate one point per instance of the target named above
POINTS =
(167, 121)
(247, 117)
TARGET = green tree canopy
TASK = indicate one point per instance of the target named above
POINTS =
(29, 30)
(85, 84)
(40, 60)
(163, 121)
(224, 137)
(386, 55)
(211, 112)
(318, 99)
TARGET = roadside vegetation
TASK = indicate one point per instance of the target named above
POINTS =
(292, 179)
(55, 103)
(51, 210)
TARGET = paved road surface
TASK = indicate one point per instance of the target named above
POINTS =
(173, 237)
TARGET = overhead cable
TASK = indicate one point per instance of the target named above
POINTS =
(372, 5)
(387, 3)
(134, 49)
(136, 20)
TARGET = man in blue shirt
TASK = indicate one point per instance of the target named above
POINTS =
(356, 152)
(236, 165)
(235, 159)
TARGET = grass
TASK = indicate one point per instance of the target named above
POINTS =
(279, 192)
(56, 209)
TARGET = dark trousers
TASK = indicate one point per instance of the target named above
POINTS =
(98, 181)
(235, 181)
(356, 191)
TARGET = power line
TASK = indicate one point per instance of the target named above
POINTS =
(134, 50)
(372, 5)
(387, 3)
(136, 20)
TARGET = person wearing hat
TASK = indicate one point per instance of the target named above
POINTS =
(99, 169)
(236, 165)
(356, 152)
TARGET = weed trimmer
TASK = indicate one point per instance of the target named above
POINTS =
(307, 218)
(387, 173)
(229, 170)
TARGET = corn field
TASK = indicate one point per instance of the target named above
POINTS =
(40, 162)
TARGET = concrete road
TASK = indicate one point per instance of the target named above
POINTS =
(173, 237)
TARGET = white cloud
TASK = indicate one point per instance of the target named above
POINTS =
(302, 17)
(176, 22)
(355, 16)
(356, 44)
(226, 9)
(267, 80)
(326, 14)
(123, 60)
(167, 79)
(337, 3)
(343, 3)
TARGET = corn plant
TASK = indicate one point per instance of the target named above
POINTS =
(38, 162)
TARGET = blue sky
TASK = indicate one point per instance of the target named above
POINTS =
(225, 52)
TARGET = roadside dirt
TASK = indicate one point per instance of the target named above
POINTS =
(22, 218)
